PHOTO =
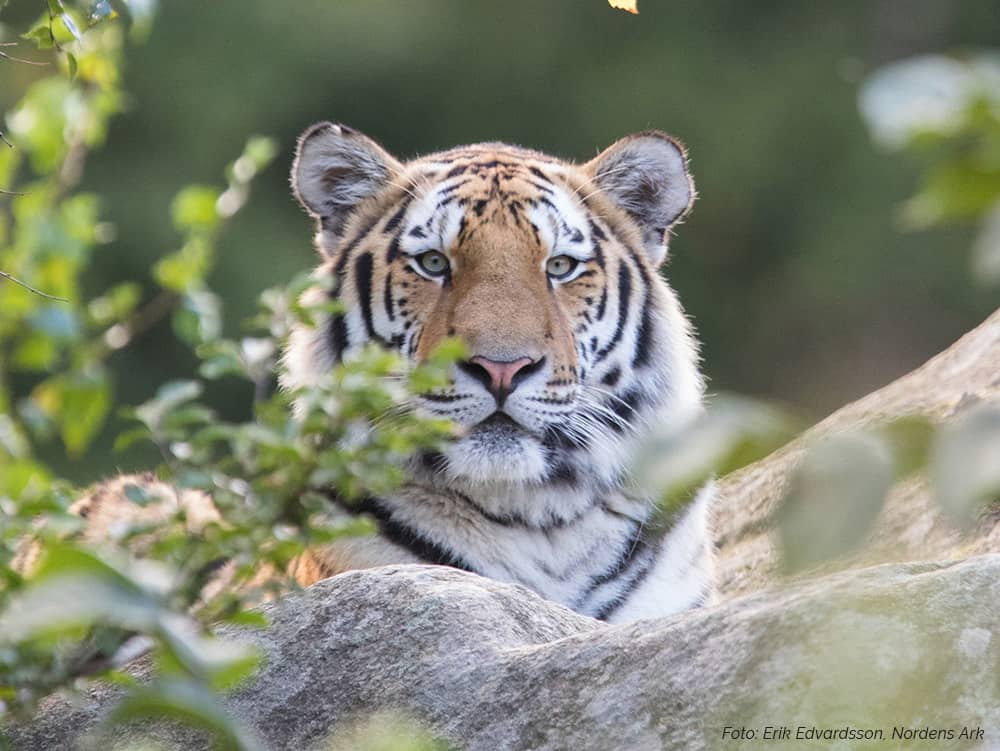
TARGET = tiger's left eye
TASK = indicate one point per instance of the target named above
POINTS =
(559, 267)
(434, 263)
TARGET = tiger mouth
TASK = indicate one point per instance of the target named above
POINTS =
(501, 424)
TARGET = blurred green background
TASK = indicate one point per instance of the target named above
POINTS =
(802, 286)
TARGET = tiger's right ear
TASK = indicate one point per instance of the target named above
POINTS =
(335, 169)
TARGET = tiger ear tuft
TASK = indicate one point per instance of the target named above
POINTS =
(646, 174)
(335, 169)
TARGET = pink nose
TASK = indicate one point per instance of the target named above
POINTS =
(498, 376)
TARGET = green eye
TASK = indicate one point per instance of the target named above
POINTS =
(559, 267)
(433, 263)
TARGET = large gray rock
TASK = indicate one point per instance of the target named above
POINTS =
(491, 666)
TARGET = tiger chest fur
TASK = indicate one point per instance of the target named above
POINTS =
(548, 272)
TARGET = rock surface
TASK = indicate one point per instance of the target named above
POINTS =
(491, 666)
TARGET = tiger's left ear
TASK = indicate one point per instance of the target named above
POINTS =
(646, 174)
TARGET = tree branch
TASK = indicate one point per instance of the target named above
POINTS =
(28, 287)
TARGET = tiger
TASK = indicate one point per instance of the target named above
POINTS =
(578, 350)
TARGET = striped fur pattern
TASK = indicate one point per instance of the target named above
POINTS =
(543, 267)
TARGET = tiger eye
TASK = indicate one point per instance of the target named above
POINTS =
(559, 267)
(433, 263)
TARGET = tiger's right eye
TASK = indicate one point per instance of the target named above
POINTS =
(433, 263)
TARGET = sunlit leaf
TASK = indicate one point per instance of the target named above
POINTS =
(630, 6)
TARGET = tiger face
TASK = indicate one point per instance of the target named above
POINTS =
(546, 270)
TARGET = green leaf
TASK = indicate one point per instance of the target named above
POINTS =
(41, 35)
(186, 268)
(910, 438)
(954, 190)
(66, 603)
(115, 305)
(186, 701)
(65, 29)
(199, 318)
(193, 209)
(78, 403)
(833, 498)
(169, 397)
(261, 150)
(224, 662)
(965, 463)
(129, 437)
(731, 433)
(138, 494)
(248, 618)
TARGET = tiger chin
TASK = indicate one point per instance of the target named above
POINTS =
(577, 351)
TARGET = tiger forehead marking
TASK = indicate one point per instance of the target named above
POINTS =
(498, 223)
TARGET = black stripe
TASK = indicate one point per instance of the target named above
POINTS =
(434, 461)
(624, 298)
(633, 546)
(539, 186)
(556, 437)
(443, 398)
(602, 306)
(390, 309)
(392, 252)
(337, 335)
(563, 473)
(648, 562)
(644, 336)
(365, 230)
(596, 237)
(396, 218)
(510, 520)
(540, 175)
(363, 281)
(410, 539)
(627, 405)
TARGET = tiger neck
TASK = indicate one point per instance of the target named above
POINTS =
(556, 503)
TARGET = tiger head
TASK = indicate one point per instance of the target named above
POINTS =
(547, 270)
